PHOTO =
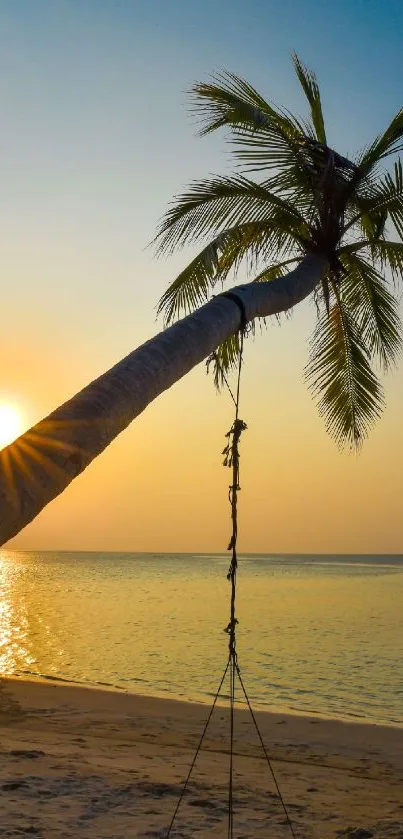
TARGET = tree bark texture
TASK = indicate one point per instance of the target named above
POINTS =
(39, 465)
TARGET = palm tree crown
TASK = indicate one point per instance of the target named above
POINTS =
(306, 199)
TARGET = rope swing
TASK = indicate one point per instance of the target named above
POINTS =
(232, 670)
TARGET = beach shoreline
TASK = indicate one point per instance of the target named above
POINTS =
(81, 760)
(202, 701)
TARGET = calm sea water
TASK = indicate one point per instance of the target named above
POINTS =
(316, 634)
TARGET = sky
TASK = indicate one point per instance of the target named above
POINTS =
(96, 138)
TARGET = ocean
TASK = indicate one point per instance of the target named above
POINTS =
(316, 635)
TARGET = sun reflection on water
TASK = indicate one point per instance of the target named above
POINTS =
(15, 655)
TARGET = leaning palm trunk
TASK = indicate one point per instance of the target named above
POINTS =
(42, 462)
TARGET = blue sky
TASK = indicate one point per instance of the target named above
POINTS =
(95, 139)
(95, 133)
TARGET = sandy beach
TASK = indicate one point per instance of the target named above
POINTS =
(80, 762)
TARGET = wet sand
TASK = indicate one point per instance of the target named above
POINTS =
(79, 762)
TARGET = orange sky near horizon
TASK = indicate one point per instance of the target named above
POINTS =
(87, 174)
(161, 486)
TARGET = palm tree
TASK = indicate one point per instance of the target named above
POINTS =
(312, 222)
(310, 200)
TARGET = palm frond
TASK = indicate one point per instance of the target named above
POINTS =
(390, 142)
(380, 200)
(279, 269)
(374, 309)
(191, 287)
(383, 252)
(389, 255)
(228, 100)
(373, 224)
(210, 206)
(264, 137)
(253, 242)
(224, 360)
(395, 205)
(310, 87)
(350, 397)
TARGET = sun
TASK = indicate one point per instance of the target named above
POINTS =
(11, 423)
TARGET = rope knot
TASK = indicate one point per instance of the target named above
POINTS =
(231, 626)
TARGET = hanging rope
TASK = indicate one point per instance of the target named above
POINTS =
(231, 459)
(269, 763)
(197, 751)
